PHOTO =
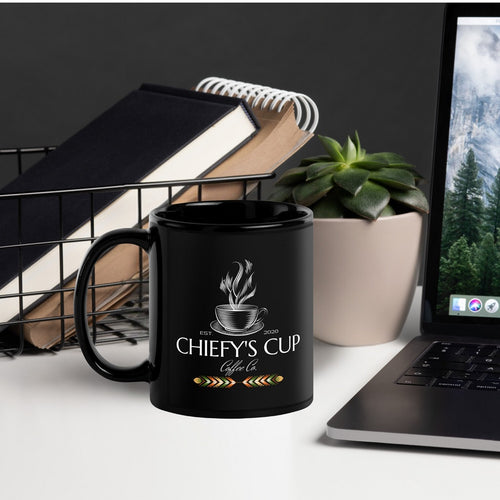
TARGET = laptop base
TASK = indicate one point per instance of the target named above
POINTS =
(386, 412)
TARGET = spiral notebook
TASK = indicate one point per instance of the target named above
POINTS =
(287, 121)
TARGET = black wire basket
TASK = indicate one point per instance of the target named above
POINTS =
(126, 321)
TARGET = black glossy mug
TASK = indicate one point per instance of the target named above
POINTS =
(230, 305)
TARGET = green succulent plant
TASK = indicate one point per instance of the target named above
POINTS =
(349, 182)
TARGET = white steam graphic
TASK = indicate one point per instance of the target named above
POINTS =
(239, 291)
(235, 317)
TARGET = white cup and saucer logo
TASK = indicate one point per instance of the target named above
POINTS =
(236, 317)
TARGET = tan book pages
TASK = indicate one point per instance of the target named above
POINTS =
(120, 264)
(278, 139)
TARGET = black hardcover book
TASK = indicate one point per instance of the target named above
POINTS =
(155, 133)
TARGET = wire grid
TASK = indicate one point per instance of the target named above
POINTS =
(129, 321)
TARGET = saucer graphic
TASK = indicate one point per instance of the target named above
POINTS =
(216, 327)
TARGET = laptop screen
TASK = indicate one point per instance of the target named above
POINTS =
(466, 190)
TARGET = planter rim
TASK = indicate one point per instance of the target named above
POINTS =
(381, 220)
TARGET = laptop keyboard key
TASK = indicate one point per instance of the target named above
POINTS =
(459, 358)
(443, 365)
(446, 358)
(465, 375)
(434, 357)
(484, 360)
(408, 380)
(450, 383)
(485, 386)
(487, 368)
(426, 372)
(488, 351)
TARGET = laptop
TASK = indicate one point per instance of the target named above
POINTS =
(443, 388)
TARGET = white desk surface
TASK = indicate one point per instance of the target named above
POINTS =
(67, 433)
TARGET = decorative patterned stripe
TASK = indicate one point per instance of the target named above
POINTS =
(227, 382)
(262, 380)
(214, 382)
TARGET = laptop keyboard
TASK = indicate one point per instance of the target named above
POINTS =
(456, 366)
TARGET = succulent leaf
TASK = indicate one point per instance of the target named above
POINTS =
(394, 177)
(281, 193)
(322, 168)
(292, 176)
(368, 164)
(332, 147)
(310, 192)
(314, 159)
(388, 158)
(349, 151)
(328, 207)
(360, 153)
(351, 179)
(387, 212)
(369, 202)
(413, 198)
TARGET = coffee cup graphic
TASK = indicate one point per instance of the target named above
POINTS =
(236, 317)
(239, 320)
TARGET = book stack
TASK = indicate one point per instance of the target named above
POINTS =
(156, 133)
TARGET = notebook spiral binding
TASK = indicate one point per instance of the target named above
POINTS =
(306, 110)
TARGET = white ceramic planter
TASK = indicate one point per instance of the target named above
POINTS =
(365, 275)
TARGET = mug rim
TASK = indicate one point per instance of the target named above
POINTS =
(298, 215)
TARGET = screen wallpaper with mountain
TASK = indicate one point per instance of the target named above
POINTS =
(470, 244)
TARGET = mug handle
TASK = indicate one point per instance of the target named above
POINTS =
(139, 237)
(261, 314)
